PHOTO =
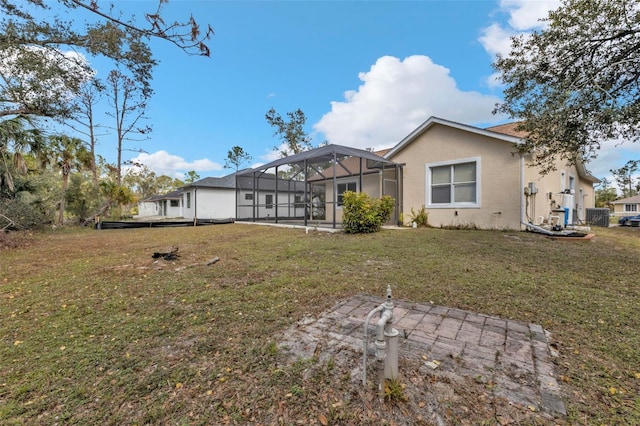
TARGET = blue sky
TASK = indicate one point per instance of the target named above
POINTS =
(365, 73)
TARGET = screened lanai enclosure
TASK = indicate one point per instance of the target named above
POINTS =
(306, 188)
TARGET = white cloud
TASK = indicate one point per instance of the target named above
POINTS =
(395, 97)
(525, 15)
(613, 155)
(163, 163)
(496, 39)
(522, 16)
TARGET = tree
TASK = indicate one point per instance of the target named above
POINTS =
(145, 183)
(128, 98)
(89, 96)
(606, 194)
(38, 77)
(624, 177)
(236, 156)
(192, 176)
(575, 83)
(18, 139)
(82, 197)
(68, 154)
(291, 133)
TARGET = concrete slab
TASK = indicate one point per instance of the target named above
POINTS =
(510, 359)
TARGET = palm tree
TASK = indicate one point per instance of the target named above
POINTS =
(18, 140)
(68, 154)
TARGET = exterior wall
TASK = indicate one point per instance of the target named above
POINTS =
(284, 207)
(619, 209)
(170, 211)
(210, 203)
(148, 208)
(499, 197)
(370, 186)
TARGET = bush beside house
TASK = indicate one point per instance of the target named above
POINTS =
(364, 214)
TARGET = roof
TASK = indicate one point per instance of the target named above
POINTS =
(318, 155)
(504, 132)
(508, 129)
(173, 195)
(432, 121)
(225, 182)
(630, 200)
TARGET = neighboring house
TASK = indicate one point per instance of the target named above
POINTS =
(210, 198)
(168, 205)
(627, 206)
(240, 197)
(471, 177)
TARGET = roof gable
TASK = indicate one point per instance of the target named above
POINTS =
(630, 200)
(431, 121)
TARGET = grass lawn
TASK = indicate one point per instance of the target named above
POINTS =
(92, 331)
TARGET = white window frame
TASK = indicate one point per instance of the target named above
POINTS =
(464, 205)
(630, 208)
(344, 182)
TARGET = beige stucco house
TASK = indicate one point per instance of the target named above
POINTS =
(471, 177)
(627, 206)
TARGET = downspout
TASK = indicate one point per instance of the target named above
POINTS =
(254, 195)
(195, 204)
(335, 190)
(521, 189)
(307, 194)
(275, 202)
(399, 195)
(360, 177)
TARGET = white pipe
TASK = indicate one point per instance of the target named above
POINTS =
(546, 231)
(366, 341)
(391, 362)
(382, 323)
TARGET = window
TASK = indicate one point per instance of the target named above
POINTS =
(630, 207)
(188, 200)
(344, 187)
(248, 197)
(175, 203)
(268, 200)
(454, 184)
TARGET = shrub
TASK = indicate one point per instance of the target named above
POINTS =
(420, 217)
(364, 214)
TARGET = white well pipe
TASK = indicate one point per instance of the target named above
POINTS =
(386, 343)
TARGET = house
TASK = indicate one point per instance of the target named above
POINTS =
(627, 206)
(238, 196)
(466, 176)
(463, 175)
(210, 198)
(168, 205)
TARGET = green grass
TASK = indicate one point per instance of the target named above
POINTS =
(92, 331)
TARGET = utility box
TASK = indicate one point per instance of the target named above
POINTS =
(598, 217)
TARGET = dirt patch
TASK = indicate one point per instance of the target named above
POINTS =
(15, 239)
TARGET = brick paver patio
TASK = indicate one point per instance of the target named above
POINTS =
(512, 355)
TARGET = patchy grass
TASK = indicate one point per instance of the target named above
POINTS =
(94, 331)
